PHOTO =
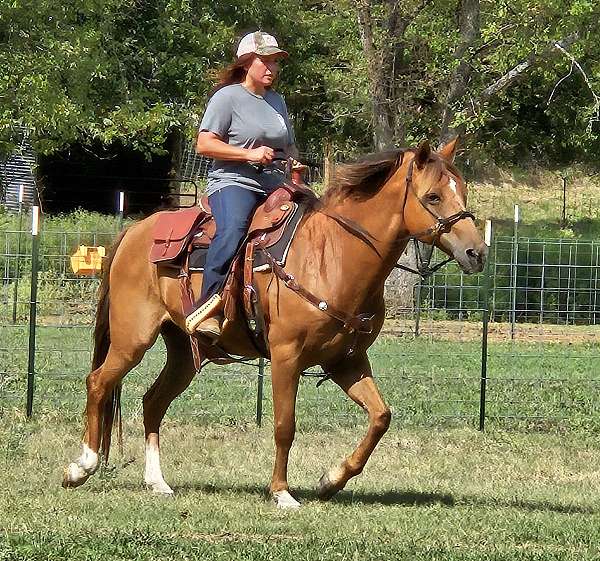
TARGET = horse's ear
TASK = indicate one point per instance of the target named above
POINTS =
(422, 154)
(448, 151)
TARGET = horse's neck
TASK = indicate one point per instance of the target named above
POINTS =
(358, 270)
(381, 216)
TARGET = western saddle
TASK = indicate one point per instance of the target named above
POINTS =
(177, 233)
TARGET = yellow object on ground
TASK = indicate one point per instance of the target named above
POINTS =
(87, 260)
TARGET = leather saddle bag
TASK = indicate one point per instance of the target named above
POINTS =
(173, 231)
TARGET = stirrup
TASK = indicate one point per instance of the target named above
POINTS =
(205, 311)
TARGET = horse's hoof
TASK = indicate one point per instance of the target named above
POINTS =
(326, 488)
(285, 501)
(160, 488)
(74, 476)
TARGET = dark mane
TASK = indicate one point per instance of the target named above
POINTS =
(363, 178)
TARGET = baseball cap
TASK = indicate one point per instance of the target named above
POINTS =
(260, 43)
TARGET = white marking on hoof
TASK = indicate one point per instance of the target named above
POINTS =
(88, 460)
(329, 484)
(74, 476)
(284, 500)
(78, 472)
(160, 488)
(153, 476)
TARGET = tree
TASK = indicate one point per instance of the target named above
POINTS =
(363, 74)
(463, 68)
(469, 26)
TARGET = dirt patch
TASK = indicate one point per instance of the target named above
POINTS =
(446, 330)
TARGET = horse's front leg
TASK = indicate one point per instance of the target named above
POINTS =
(285, 375)
(354, 377)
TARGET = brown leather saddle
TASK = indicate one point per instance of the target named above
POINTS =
(177, 233)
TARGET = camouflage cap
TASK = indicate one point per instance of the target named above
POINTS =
(259, 43)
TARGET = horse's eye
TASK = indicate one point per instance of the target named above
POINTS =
(432, 198)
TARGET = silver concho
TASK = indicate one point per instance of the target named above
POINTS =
(323, 305)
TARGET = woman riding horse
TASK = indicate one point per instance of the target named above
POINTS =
(245, 123)
(394, 197)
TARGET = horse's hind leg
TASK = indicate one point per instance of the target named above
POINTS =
(175, 377)
(100, 383)
(126, 350)
(354, 377)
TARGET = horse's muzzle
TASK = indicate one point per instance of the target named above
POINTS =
(472, 259)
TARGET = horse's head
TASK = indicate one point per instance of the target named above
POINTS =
(435, 207)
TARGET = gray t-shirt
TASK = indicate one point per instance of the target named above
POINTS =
(247, 120)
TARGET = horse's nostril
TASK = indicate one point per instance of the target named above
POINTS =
(473, 254)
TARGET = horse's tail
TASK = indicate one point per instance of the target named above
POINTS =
(112, 405)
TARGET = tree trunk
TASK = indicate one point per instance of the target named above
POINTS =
(385, 67)
(384, 52)
(382, 125)
(328, 163)
(469, 26)
(400, 286)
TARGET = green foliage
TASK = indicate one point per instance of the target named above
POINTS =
(104, 71)
(130, 71)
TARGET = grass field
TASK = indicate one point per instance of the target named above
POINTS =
(435, 489)
(527, 488)
(452, 494)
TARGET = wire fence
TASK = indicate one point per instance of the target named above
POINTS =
(512, 347)
(552, 281)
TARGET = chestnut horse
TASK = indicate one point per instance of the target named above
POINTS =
(393, 196)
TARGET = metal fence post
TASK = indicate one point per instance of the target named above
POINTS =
(35, 216)
(563, 221)
(120, 208)
(485, 324)
(418, 310)
(515, 258)
(259, 395)
(18, 255)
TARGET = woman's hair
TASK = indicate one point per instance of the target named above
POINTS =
(232, 74)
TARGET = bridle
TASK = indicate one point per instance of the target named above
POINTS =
(442, 225)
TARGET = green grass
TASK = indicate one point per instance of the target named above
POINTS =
(539, 194)
(435, 488)
(452, 494)
(430, 380)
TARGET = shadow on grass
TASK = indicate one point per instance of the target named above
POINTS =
(394, 498)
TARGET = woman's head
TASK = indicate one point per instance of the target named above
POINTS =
(259, 43)
(258, 55)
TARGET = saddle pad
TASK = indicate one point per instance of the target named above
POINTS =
(279, 249)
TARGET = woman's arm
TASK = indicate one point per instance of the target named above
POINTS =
(211, 145)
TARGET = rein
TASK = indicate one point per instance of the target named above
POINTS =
(442, 225)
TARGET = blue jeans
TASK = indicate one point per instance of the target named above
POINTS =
(232, 208)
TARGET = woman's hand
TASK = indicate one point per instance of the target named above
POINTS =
(261, 155)
(213, 146)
